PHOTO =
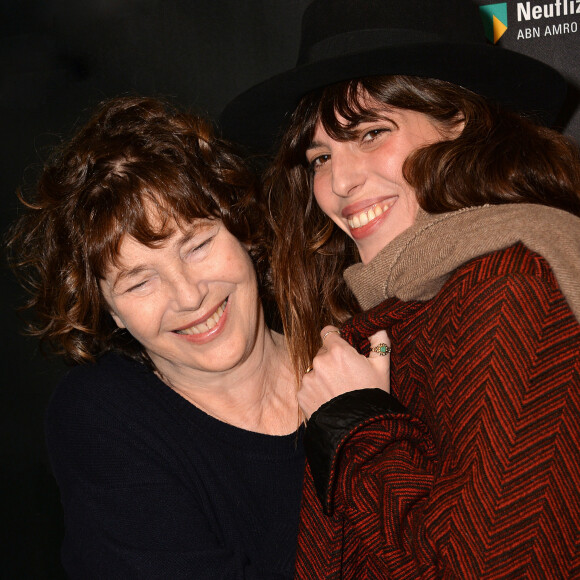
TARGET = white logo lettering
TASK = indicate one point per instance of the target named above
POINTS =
(527, 33)
(565, 28)
(528, 12)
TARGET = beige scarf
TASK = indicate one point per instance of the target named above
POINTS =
(416, 264)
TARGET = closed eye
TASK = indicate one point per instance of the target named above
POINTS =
(202, 245)
(138, 286)
(199, 250)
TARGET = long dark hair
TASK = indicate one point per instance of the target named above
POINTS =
(94, 191)
(499, 157)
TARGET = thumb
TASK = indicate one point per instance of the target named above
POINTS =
(380, 357)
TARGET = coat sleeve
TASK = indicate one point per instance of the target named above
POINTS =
(498, 494)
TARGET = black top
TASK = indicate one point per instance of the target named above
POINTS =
(152, 487)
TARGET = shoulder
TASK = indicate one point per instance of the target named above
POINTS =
(521, 239)
(512, 262)
(110, 371)
(517, 285)
(112, 380)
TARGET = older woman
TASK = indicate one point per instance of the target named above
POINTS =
(409, 162)
(174, 440)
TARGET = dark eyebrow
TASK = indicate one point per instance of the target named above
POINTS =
(314, 145)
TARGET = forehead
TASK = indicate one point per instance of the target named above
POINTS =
(340, 115)
(345, 128)
(174, 235)
(350, 106)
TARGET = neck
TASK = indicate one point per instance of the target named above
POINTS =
(258, 395)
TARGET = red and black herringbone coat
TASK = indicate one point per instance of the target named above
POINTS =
(472, 468)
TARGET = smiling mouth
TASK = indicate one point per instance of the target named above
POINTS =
(208, 323)
(365, 217)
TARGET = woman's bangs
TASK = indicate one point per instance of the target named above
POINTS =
(344, 105)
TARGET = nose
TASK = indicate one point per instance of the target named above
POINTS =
(188, 290)
(347, 170)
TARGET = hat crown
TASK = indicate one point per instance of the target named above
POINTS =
(338, 27)
(350, 39)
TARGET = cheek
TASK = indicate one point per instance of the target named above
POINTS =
(237, 266)
(323, 196)
(140, 317)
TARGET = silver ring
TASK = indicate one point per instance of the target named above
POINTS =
(309, 370)
(383, 349)
(330, 332)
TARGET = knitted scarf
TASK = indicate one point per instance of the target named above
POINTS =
(416, 264)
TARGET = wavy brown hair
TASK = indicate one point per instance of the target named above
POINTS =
(132, 154)
(499, 157)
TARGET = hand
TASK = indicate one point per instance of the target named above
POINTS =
(338, 368)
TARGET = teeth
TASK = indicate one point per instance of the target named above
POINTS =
(365, 217)
(206, 324)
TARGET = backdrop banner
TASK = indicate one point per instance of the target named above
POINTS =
(548, 31)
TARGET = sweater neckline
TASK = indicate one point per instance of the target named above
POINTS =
(277, 446)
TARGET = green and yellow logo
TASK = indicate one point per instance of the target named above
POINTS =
(495, 20)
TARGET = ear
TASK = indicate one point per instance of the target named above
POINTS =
(117, 319)
(106, 297)
(459, 125)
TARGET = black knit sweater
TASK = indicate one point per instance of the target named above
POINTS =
(152, 487)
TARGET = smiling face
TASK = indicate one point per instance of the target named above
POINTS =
(192, 302)
(359, 183)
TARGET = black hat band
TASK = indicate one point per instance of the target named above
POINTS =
(362, 40)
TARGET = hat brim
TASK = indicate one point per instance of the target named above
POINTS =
(256, 117)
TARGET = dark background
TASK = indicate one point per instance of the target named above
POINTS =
(58, 59)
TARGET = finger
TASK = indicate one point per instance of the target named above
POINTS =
(380, 358)
(380, 344)
(329, 331)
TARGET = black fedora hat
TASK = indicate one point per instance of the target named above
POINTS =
(344, 39)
